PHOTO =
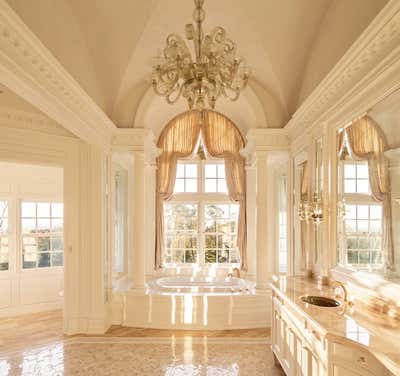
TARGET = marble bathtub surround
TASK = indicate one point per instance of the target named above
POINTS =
(355, 326)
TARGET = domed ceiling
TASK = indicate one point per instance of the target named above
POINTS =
(108, 46)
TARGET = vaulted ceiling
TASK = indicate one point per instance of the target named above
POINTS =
(108, 45)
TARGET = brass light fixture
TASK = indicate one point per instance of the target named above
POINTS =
(311, 210)
(216, 70)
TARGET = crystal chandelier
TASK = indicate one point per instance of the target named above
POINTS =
(216, 71)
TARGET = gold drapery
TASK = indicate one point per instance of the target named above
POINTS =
(178, 140)
(364, 140)
(222, 140)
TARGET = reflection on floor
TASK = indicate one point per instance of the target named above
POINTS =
(30, 347)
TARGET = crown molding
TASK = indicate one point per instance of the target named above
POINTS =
(29, 69)
(10, 117)
(376, 51)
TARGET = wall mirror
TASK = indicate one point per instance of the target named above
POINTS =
(301, 197)
(368, 220)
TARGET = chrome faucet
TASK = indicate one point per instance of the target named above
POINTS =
(336, 284)
(235, 272)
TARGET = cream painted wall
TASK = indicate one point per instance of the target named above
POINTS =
(343, 23)
(26, 291)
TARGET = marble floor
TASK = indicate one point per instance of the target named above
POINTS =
(126, 351)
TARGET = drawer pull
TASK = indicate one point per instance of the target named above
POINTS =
(361, 359)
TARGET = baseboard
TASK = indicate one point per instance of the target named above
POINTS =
(31, 308)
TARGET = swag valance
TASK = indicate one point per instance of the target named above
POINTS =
(222, 139)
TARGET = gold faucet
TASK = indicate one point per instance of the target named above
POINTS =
(235, 272)
(336, 284)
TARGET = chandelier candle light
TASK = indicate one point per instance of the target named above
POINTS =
(215, 72)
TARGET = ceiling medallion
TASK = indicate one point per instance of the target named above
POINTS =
(216, 70)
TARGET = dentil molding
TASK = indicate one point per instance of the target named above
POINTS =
(374, 52)
(29, 69)
(13, 118)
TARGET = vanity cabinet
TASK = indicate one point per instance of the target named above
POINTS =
(302, 348)
(298, 345)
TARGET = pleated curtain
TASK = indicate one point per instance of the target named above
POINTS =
(178, 140)
(221, 139)
(364, 140)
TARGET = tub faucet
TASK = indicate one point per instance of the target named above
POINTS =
(235, 272)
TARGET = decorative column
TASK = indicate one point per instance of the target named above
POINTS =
(262, 217)
(138, 262)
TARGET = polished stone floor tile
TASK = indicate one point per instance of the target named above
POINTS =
(144, 356)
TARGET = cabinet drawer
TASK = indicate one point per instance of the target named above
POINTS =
(358, 360)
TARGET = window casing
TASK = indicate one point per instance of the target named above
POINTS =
(200, 219)
(361, 225)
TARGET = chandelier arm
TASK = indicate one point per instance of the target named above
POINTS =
(178, 95)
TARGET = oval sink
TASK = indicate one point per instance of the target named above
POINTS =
(320, 301)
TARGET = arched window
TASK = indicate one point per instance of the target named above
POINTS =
(200, 220)
(201, 192)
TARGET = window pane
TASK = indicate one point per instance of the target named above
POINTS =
(210, 185)
(3, 225)
(43, 209)
(351, 211)
(57, 243)
(350, 186)
(43, 224)
(362, 226)
(210, 226)
(222, 188)
(179, 186)
(180, 170)
(191, 170)
(191, 185)
(44, 243)
(362, 171)
(211, 241)
(221, 171)
(43, 260)
(362, 211)
(210, 170)
(211, 256)
(29, 260)
(351, 243)
(223, 256)
(364, 258)
(351, 226)
(28, 209)
(362, 186)
(375, 226)
(190, 256)
(349, 171)
(28, 226)
(178, 257)
(57, 259)
(352, 257)
(376, 212)
(57, 210)
(363, 243)
(57, 224)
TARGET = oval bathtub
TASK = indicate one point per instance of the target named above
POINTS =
(200, 286)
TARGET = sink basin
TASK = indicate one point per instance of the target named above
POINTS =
(320, 301)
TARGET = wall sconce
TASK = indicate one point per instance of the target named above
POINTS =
(311, 210)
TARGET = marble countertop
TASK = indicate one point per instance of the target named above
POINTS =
(354, 326)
